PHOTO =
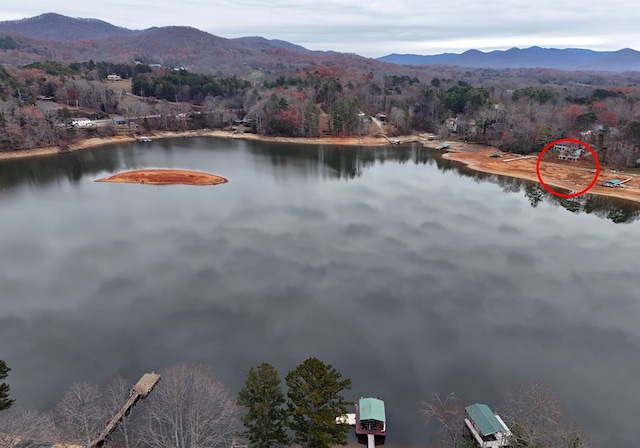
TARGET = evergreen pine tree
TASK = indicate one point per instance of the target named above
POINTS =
(263, 400)
(315, 400)
(5, 402)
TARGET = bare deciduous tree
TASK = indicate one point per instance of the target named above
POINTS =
(534, 413)
(25, 426)
(449, 413)
(190, 408)
(80, 414)
(116, 393)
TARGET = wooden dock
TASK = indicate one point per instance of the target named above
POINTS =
(519, 158)
(142, 389)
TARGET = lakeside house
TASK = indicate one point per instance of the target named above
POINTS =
(487, 429)
(572, 152)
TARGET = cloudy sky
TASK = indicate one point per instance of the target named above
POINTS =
(375, 28)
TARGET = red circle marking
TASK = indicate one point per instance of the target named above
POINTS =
(566, 195)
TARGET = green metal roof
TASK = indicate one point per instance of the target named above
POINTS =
(371, 409)
(484, 419)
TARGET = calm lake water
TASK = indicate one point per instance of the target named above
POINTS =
(407, 273)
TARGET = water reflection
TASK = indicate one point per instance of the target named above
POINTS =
(43, 171)
(327, 161)
(614, 209)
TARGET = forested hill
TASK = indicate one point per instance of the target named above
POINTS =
(66, 40)
(535, 57)
(57, 27)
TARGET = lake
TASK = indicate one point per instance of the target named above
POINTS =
(408, 273)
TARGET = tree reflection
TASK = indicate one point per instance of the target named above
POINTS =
(44, 171)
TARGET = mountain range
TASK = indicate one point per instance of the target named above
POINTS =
(533, 57)
(54, 36)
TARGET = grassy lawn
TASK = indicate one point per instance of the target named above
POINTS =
(255, 75)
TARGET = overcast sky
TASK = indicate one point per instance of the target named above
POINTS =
(375, 28)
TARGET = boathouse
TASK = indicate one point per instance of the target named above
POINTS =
(487, 429)
(371, 421)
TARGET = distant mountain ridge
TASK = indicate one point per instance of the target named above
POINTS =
(261, 41)
(66, 39)
(53, 26)
(56, 37)
(533, 57)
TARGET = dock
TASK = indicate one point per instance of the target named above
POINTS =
(143, 139)
(393, 141)
(613, 183)
(141, 390)
(519, 158)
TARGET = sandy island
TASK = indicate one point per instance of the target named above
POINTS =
(165, 177)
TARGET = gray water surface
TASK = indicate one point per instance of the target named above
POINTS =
(407, 273)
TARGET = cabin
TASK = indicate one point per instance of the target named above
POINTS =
(486, 428)
(381, 118)
(119, 121)
(113, 77)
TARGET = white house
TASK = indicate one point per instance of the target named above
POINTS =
(81, 122)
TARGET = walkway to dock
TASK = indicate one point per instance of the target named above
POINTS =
(143, 387)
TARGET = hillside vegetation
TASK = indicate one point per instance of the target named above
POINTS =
(511, 110)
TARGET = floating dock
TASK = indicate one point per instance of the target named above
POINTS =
(613, 183)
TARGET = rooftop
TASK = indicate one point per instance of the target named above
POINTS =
(484, 419)
(371, 409)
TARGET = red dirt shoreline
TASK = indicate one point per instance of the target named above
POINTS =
(555, 174)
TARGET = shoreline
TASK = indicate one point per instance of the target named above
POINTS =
(99, 141)
(565, 176)
(473, 156)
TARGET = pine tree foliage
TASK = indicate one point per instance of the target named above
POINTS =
(5, 401)
(314, 402)
(263, 400)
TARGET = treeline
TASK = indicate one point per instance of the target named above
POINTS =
(180, 85)
(191, 407)
(531, 410)
(320, 100)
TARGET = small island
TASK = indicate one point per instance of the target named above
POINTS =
(165, 177)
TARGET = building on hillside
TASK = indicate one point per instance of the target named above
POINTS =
(381, 118)
(571, 155)
(80, 123)
(487, 429)
(570, 151)
(113, 77)
(452, 124)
